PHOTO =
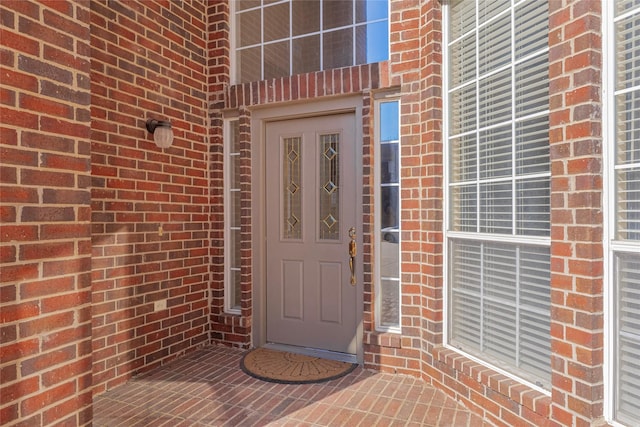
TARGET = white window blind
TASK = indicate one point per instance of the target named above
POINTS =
(625, 194)
(498, 184)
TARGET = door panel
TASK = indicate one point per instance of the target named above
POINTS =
(311, 204)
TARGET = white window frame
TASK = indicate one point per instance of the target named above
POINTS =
(378, 100)
(320, 32)
(611, 245)
(448, 235)
(228, 206)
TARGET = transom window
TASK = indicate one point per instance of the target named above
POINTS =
(287, 37)
(498, 184)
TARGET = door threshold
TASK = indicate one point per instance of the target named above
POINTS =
(314, 352)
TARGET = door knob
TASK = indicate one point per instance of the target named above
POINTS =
(353, 250)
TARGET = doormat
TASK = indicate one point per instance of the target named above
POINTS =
(292, 368)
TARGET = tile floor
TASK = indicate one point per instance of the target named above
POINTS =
(208, 388)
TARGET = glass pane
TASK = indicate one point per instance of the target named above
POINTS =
(532, 22)
(499, 330)
(495, 99)
(624, 6)
(495, 152)
(389, 121)
(234, 171)
(500, 302)
(389, 171)
(488, 9)
(465, 320)
(235, 260)
(292, 188)
(390, 303)
(628, 127)
(276, 22)
(463, 113)
(495, 44)
(336, 13)
(329, 203)
(535, 347)
(249, 64)
(496, 208)
(532, 86)
(235, 136)
(306, 17)
(628, 204)
(390, 255)
(246, 4)
(464, 152)
(533, 202)
(464, 208)
(535, 277)
(276, 60)
(248, 31)
(463, 17)
(499, 273)
(532, 146)
(235, 209)
(370, 10)
(306, 54)
(372, 43)
(236, 290)
(628, 385)
(338, 49)
(390, 207)
(628, 52)
(463, 60)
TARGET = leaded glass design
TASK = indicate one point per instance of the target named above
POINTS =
(329, 200)
(292, 188)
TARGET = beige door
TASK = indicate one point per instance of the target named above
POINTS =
(311, 205)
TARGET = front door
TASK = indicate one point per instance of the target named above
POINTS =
(311, 205)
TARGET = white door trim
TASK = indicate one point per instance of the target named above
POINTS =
(259, 118)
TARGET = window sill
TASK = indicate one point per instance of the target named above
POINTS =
(483, 387)
(384, 339)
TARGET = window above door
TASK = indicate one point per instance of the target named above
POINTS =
(277, 38)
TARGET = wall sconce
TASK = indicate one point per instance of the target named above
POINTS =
(162, 133)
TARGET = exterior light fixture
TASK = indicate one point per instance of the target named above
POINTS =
(162, 133)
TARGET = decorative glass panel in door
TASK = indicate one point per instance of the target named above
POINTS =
(329, 200)
(291, 191)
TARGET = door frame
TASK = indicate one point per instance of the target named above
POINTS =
(259, 119)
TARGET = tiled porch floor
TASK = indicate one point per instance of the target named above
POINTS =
(208, 388)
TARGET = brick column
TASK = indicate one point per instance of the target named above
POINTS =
(432, 193)
(576, 212)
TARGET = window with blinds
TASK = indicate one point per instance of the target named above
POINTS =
(498, 183)
(624, 167)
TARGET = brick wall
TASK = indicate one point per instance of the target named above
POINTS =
(45, 238)
(576, 212)
(150, 219)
